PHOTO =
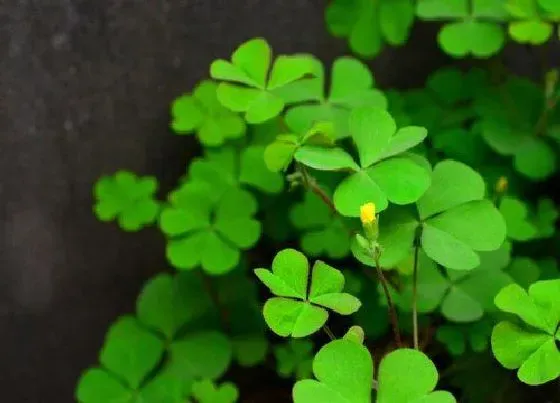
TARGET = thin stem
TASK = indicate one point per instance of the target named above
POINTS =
(329, 332)
(312, 185)
(213, 294)
(390, 305)
(415, 296)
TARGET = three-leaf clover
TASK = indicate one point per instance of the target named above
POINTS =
(475, 28)
(250, 85)
(409, 376)
(322, 232)
(454, 219)
(351, 86)
(532, 346)
(344, 372)
(127, 198)
(129, 354)
(205, 391)
(208, 231)
(368, 24)
(203, 113)
(382, 175)
(294, 358)
(513, 129)
(300, 309)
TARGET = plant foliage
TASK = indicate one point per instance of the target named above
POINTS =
(425, 227)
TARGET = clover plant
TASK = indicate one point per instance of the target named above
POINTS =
(348, 238)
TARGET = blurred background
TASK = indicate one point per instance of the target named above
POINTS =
(85, 88)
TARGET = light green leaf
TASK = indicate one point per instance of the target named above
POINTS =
(287, 317)
(406, 375)
(448, 250)
(532, 32)
(344, 372)
(405, 138)
(453, 183)
(464, 223)
(479, 38)
(289, 274)
(402, 180)
(254, 172)
(329, 159)
(356, 190)
(372, 130)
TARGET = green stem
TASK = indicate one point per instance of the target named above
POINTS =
(329, 332)
(213, 294)
(390, 305)
(415, 296)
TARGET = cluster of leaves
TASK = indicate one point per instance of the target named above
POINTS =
(475, 28)
(458, 230)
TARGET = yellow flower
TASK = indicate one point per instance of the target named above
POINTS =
(501, 184)
(367, 213)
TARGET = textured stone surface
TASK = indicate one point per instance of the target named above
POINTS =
(84, 90)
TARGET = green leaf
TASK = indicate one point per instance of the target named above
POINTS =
(329, 159)
(405, 138)
(288, 279)
(533, 348)
(372, 130)
(294, 358)
(395, 20)
(481, 39)
(127, 198)
(279, 154)
(350, 382)
(447, 250)
(398, 179)
(407, 375)
(165, 387)
(201, 355)
(536, 353)
(515, 213)
(254, 172)
(205, 391)
(431, 9)
(350, 87)
(532, 32)
(535, 159)
(250, 350)
(289, 274)
(249, 66)
(453, 183)
(202, 112)
(161, 305)
(401, 179)
(130, 351)
(97, 386)
(287, 317)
